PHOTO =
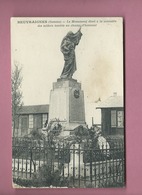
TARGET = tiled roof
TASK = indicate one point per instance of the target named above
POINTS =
(112, 102)
(34, 109)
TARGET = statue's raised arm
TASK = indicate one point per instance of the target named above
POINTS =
(68, 45)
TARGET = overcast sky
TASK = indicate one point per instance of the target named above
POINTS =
(35, 45)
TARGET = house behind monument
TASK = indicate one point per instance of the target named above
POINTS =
(112, 115)
(34, 117)
(30, 118)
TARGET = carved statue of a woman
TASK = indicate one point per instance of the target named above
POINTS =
(68, 45)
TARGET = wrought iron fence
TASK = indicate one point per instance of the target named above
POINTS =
(41, 163)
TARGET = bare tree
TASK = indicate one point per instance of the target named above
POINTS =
(16, 94)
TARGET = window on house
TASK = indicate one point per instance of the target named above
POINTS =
(113, 118)
(37, 122)
(31, 121)
(24, 123)
(120, 119)
(117, 118)
(44, 120)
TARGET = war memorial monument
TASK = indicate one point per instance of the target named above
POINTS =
(67, 97)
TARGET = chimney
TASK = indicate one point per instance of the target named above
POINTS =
(114, 94)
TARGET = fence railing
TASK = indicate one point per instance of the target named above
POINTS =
(41, 163)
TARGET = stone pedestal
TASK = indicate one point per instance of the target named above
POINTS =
(67, 103)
